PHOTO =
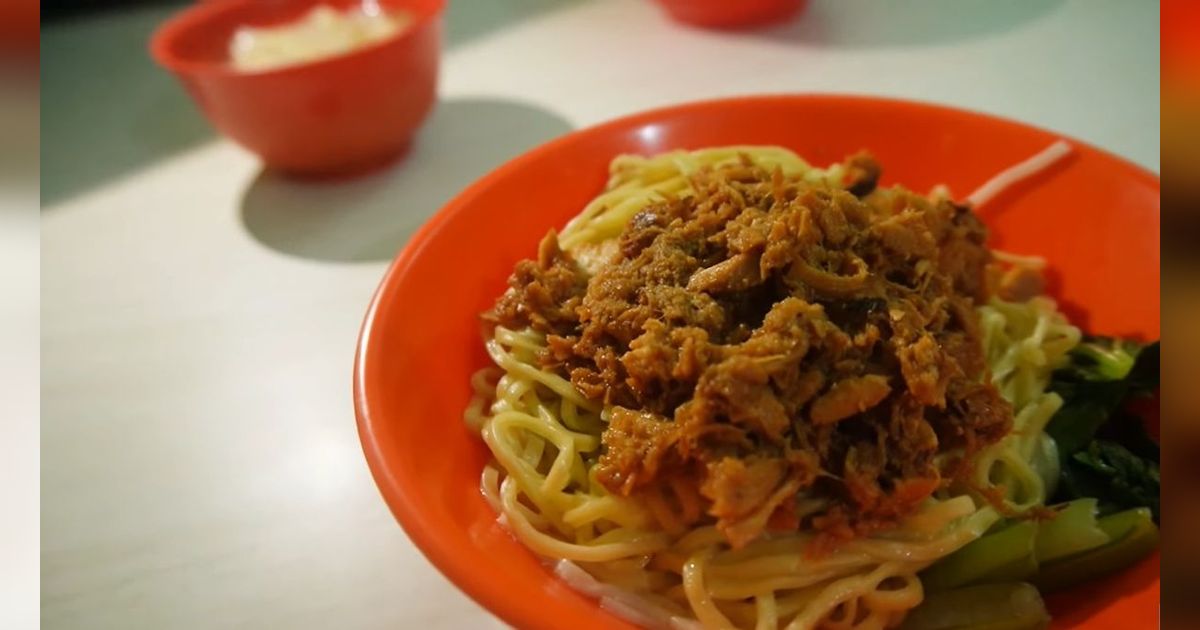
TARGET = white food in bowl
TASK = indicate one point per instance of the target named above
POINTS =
(323, 32)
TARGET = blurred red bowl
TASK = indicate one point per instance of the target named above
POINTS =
(333, 116)
(731, 13)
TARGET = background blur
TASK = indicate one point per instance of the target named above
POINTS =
(1181, 309)
(19, 310)
(56, 9)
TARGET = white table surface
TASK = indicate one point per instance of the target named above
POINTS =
(200, 465)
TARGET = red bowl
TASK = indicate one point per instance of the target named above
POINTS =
(20, 28)
(731, 13)
(331, 116)
(1094, 216)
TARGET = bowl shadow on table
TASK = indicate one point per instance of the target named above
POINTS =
(107, 111)
(370, 218)
(871, 24)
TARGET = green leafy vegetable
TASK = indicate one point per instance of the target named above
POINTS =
(1102, 374)
(1009, 606)
(1103, 359)
(1070, 548)
(1115, 475)
(1134, 536)
(1015, 552)
(1000, 556)
(1129, 431)
(1105, 452)
(1073, 529)
(1144, 377)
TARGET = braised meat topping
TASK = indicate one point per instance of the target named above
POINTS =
(776, 344)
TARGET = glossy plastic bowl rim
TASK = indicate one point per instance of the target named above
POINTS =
(459, 570)
(195, 15)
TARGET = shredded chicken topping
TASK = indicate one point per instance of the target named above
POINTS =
(793, 353)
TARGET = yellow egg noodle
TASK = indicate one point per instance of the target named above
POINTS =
(637, 559)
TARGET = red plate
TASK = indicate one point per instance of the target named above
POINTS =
(1094, 216)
